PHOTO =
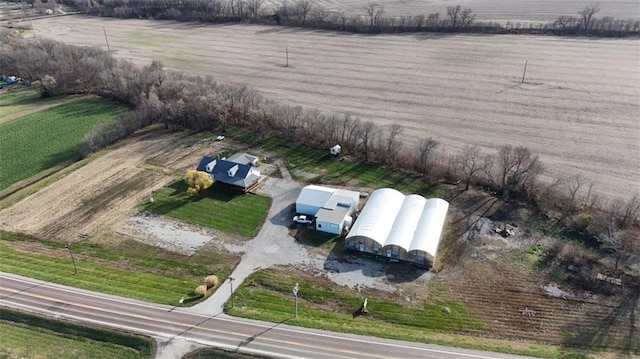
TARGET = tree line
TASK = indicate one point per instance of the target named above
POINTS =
(181, 101)
(304, 13)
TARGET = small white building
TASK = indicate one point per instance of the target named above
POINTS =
(332, 207)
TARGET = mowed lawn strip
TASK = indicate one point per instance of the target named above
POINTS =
(219, 208)
(36, 142)
(266, 295)
(132, 269)
(335, 170)
(49, 338)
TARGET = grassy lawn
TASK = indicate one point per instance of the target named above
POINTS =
(48, 338)
(41, 140)
(219, 208)
(330, 170)
(130, 269)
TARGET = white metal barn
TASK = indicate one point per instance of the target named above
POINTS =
(332, 207)
(399, 227)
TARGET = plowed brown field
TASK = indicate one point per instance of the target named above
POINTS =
(579, 107)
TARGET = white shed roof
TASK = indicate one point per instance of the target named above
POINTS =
(316, 196)
(410, 222)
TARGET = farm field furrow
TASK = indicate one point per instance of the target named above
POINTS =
(578, 108)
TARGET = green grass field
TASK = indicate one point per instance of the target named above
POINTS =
(48, 338)
(219, 208)
(330, 170)
(131, 269)
(41, 140)
(25, 101)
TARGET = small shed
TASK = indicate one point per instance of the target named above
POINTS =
(335, 150)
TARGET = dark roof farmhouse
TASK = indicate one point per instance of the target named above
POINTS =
(238, 176)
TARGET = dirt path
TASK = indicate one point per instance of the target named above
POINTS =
(578, 108)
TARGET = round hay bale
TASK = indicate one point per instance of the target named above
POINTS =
(201, 290)
(211, 281)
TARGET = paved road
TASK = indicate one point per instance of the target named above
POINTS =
(168, 323)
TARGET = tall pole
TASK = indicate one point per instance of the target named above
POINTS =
(525, 70)
(231, 285)
(106, 39)
(75, 269)
(295, 296)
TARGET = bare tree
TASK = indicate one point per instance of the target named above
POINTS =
(254, 7)
(565, 22)
(629, 211)
(453, 12)
(603, 228)
(350, 131)
(466, 17)
(572, 187)
(517, 170)
(470, 162)
(320, 14)
(587, 13)
(375, 12)
(393, 144)
(459, 17)
(328, 129)
(425, 148)
(302, 9)
(368, 134)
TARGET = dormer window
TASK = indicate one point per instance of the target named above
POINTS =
(232, 171)
(210, 166)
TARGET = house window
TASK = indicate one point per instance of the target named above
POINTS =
(319, 225)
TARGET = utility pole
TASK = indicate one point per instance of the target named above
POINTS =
(525, 70)
(295, 295)
(75, 269)
(106, 39)
(286, 49)
(231, 285)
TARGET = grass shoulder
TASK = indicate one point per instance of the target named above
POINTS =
(130, 268)
(49, 338)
